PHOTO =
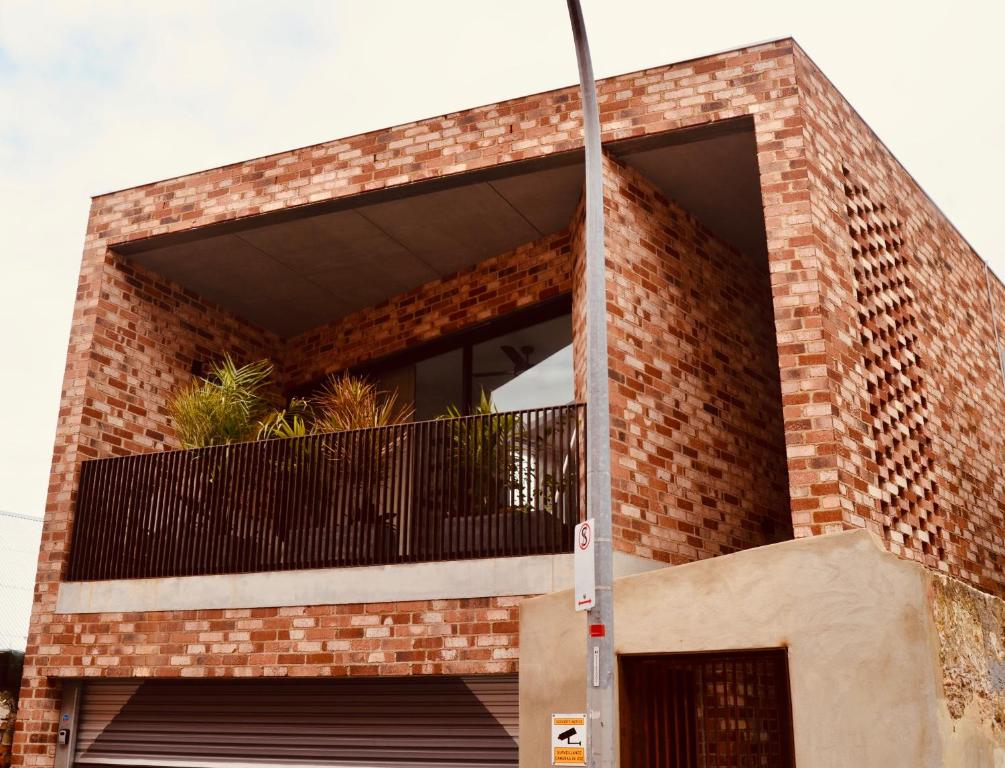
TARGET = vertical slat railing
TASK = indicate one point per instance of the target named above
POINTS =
(488, 485)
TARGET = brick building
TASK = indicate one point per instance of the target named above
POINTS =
(799, 344)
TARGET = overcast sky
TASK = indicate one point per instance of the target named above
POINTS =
(96, 96)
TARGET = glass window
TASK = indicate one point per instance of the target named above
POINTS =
(439, 384)
(528, 368)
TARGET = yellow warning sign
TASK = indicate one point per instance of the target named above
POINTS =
(568, 739)
(569, 756)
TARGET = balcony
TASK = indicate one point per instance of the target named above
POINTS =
(495, 485)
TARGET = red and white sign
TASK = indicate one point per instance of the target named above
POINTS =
(585, 580)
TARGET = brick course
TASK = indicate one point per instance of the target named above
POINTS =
(697, 436)
(493, 288)
(476, 635)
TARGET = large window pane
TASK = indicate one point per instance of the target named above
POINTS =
(439, 384)
(528, 368)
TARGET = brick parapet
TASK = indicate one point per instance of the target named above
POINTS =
(730, 84)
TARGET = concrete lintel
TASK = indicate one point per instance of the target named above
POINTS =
(489, 577)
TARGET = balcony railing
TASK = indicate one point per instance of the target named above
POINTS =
(494, 485)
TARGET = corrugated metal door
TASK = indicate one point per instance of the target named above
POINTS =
(455, 722)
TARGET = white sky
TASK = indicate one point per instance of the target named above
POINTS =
(96, 96)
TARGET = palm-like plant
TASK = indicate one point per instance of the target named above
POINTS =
(489, 450)
(296, 420)
(223, 406)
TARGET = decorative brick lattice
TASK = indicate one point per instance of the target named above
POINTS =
(898, 409)
(744, 712)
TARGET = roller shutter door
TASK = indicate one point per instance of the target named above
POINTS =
(455, 722)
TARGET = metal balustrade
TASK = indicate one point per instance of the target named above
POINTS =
(495, 485)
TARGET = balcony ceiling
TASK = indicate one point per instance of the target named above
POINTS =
(711, 171)
(290, 276)
(291, 271)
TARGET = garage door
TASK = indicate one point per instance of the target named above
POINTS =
(460, 722)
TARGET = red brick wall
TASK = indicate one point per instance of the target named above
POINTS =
(477, 635)
(144, 334)
(148, 333)
(471, 636)
(759, 81)
(530, 274)
(134, 338)
(696, 417)
(919, 399)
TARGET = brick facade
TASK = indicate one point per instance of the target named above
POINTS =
(919, 401)
(8, 714)
(420, 637)
(148, 334)
(134, 337)
(493, 288)
(697, 436)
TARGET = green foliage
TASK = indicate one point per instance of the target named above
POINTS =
(490, 450)
(296, 420)
(222, 407)
(485, 407)
(344, 403)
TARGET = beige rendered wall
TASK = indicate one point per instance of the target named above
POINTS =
(871, 640)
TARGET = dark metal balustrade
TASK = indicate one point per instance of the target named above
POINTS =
(494, 485)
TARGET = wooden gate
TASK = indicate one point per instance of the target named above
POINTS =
(723, 710)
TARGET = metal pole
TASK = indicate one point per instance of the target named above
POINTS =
(599, 650)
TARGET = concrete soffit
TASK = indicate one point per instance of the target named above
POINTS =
(455, 579)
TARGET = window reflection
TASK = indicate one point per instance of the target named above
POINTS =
(529, 367)
(550, 382)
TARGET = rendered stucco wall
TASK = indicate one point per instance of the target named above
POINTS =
(863, 640)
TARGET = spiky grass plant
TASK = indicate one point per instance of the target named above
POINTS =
(223, 406)
(351, 402)
(296, 420)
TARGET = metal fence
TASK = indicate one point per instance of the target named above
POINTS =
(494, 485)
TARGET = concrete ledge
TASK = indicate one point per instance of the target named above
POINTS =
(489, 577)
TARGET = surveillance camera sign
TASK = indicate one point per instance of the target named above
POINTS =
(568, 739)
(585, 572)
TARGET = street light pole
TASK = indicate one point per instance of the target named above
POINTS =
(600, 619)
